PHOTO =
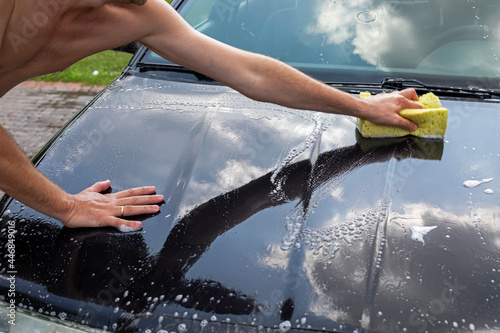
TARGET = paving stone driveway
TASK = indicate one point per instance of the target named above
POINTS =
(33, 112)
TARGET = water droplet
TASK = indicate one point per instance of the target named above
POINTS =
(182, 328)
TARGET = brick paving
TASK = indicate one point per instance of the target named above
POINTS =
(33, 112)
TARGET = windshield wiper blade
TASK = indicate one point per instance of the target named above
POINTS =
(399, 84)
(171, 67)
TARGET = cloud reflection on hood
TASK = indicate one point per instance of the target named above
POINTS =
(378, 36)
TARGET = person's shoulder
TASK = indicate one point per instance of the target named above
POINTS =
(146, 6)
(129, 12)
(149, 18)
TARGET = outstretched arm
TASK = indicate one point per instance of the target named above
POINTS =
(89, 208)
(263, 78)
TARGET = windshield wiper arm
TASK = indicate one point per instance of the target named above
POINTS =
(399, 84)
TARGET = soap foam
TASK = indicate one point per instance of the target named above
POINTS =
(125, 228)
(475, 183)
(418, 233)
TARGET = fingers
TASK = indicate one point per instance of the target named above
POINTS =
(123, 211)
(411, 105)
(386, 108)
(409, 93)
(140, 200)
(129, 226)
(92, 208)
(407, 103)
(137, 201)
(132, 192)
(407, 124)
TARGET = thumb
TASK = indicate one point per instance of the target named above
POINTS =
(99, 186)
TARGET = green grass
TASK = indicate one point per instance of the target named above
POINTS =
(108, 64)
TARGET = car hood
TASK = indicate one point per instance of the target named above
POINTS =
(273, 219)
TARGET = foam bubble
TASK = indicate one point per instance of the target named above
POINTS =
(182, 328)
(285, 326)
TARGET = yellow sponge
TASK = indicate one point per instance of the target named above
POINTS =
(431, 120)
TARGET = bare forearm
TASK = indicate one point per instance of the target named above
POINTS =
(21, 180)
(279, 83)
(269, 80)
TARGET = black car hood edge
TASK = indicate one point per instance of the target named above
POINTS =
(273, 217)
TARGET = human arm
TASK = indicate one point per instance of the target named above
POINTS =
(263, 78)
(89, 208)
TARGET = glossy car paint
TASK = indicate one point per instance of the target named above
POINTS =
(273, 218)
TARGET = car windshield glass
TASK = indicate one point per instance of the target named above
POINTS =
(447, 42)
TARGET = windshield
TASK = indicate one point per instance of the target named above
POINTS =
(448, 42)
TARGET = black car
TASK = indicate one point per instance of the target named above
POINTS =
(279, 220)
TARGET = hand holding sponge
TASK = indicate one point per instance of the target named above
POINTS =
(431, 120)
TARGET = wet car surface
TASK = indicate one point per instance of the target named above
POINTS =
(275, 220)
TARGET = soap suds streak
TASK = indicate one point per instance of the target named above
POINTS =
(296, 151)
(418, 233)
(475, 182)
(124, 228)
